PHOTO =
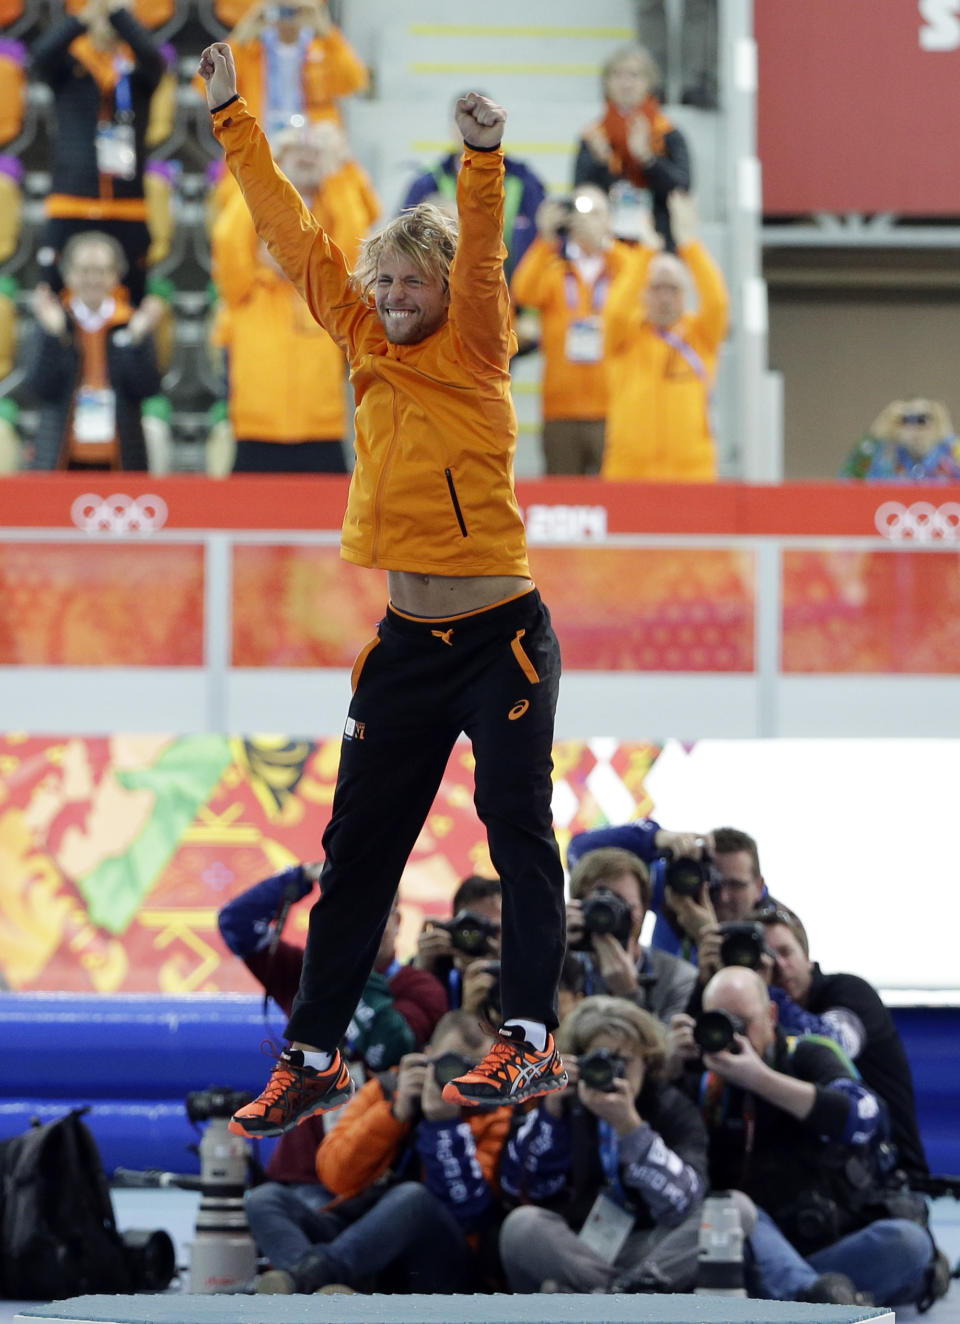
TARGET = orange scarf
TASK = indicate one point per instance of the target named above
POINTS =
(616, 126)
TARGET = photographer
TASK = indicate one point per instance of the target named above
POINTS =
(425, 1167)
(397, 1013)
(464, 952)
(791, 1126)
(566, 275)
(610, 896)
(849, 1010)
(698, 881)
(614, 1167)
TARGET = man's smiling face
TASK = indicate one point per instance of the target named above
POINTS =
(411, 303)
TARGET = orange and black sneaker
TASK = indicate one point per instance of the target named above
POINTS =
(511, 1072)
(293, 1093)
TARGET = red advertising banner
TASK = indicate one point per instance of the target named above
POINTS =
(857, 612)
(858, 105)
(614, 608)
(67, 605)
(570, 511)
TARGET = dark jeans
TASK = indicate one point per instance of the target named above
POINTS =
(494, 675)
(289, 457)
(408, 1232)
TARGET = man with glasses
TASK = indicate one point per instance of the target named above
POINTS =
(687, 926)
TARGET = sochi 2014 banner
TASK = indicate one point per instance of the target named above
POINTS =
(858, 105)
(116, 853)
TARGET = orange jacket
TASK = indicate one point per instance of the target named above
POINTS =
(546, 280)
(658, 424)
(367, 1138)
(277, 350)
(332, 69)
(435, 425)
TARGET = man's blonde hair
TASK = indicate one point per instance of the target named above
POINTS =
(424, 234)
(619, 1018)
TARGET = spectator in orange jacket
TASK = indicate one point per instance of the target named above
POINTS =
(661, 361)
(292, 61)
(566, 274)
(273, 344)
(440, 1163)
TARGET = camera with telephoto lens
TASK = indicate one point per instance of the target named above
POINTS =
(601, 1069)
(604, 912)
(469, 932)
(715, 1031)
(743, 943)
(202, 1105)
(686, 874)
(448, 1066)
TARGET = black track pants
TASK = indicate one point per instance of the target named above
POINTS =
(493, 675)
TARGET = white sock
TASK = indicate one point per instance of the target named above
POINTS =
(319, 1061)
(535, 1032)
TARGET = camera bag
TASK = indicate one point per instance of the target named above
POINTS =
(58, 1234)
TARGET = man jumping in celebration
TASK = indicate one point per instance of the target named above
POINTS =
(466, 645)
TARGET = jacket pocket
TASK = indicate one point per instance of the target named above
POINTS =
(361, 661)
(526, 666)
(448, 473)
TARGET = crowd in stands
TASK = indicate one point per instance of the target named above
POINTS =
(611, 282)
(718, 1057)
(114, 170)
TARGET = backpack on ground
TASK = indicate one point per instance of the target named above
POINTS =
(58, 1235)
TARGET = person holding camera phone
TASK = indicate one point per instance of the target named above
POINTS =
(293, 61)
(609, 898)
(464, 952)
(566, 275)
(426, 1167)
(791, 1125)
(614, 1167)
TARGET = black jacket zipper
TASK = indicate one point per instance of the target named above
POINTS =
(456, 504)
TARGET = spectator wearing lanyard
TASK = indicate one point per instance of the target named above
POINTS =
(92, 362)
(293, 61)
(566, 275)
(103, 68)
(661, 361)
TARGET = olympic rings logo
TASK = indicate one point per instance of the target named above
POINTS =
(119, 513)
(921, 521)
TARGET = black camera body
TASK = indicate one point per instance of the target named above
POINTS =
(469, 932)
(601, 1069)
(604, 912)
(743, 942)
(448, 1066)
(567, 205)
(715, 1031)
(216, 1101)
(686, 874)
